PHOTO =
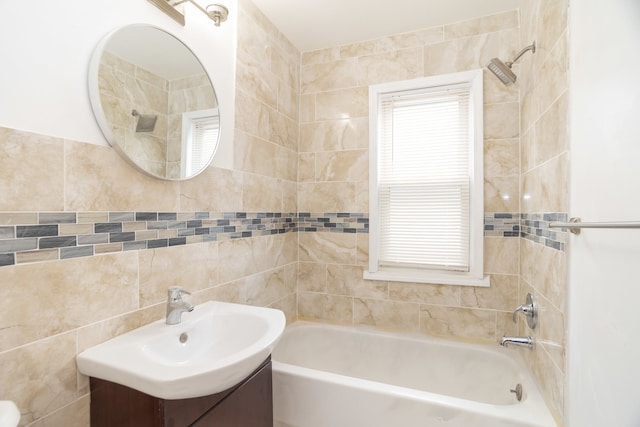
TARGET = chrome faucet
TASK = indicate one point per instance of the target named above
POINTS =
(176, 305)
(518, 341)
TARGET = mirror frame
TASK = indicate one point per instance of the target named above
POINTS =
(101, 117)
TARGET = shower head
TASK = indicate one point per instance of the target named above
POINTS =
(502, 70)
(146, 122)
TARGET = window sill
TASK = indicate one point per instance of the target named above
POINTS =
(421, 276)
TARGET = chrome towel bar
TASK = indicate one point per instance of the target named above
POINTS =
(574, 225)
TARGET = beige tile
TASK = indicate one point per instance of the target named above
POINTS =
(334, 135)
(501, 157)
(326, 197)
(347, 280)
(362, 248)
(410, 39)
(553, 75)
(390, 66)
(289, 306)
(454, 322)
(261, 193)
(44, 299)
(26, 184)
(328, 308)
(330, 248)
(321, 55)
(326, 76)
(342, 104)
(352, 165)
(18, 218)
(552, 130)
(425, 293)
(495, 92)
(307, 108)
(527, 150)
(202, 193)
(312, 277)
(546, 187)
(264, 288)
(398, 316)
(501, 295)
(550, 281)
(253, 77)
(88, 167)
(306, 167)
(37, 256)
(40, 377)
(552, 23)
(501, 121)
(502, 194)
(358, 49)
(460, 54)
(485, 24)
(501, 255)
(192, 267)
(75, 414)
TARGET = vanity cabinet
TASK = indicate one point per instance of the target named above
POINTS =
(248, 404)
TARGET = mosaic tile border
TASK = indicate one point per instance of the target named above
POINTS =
(535, 227)
(27, 237)
(42, 236)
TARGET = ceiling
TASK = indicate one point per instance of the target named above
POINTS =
(318, 24)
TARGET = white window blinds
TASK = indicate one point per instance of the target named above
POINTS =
(424, 179)
(204, 138)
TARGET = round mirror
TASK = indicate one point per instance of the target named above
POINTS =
(154, 102)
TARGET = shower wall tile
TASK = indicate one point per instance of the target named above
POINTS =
(341, 104)
(420, 37)
(347, 280)
(501, 159)
(501, 194)
(460, 54)
(327, 76)
(203, 192)
(553, 129)
(456, 322)
(485, 24)
(342, 165)
(501, 121)
(75, 414)
(391, 315)
(326, 196)
(424, 293)
(334, 135)
(404, 64)
(501, 295)
(325, 308)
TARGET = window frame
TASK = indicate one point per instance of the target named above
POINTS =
(475, 276)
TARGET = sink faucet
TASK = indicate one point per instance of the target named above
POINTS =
(176, 305)
(519, 341)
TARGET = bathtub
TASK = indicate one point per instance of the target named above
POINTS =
(335, 376)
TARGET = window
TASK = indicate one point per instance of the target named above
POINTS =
(200, 135)
(426, 178)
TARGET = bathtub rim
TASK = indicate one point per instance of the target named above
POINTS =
(530, 408)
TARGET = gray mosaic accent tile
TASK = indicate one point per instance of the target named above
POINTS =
(57, 218)
(197, 227)
(535, 227)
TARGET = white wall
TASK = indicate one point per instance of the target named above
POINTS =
(604, 265)
(45, 47)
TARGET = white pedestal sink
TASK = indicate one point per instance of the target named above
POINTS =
(9, 414)
(215, 347)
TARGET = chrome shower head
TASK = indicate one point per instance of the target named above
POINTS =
(146, 123)
(502, 70)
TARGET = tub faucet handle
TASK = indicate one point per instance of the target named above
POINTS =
(530, 311)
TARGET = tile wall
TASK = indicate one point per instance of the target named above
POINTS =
(333, 176)
(301, 146)
(51, 310)
(544, 186)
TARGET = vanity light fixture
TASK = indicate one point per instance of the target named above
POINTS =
(217, 12)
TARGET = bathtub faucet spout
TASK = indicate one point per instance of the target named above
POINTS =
(519, 341)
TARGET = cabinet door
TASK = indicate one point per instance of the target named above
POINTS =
(251, 405)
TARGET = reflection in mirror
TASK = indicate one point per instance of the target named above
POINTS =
(154, 102)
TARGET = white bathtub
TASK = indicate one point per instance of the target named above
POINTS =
(334, 376)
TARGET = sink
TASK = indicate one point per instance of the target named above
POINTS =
(216, 346)
(9, 414)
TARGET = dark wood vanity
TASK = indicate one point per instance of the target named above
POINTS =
(248, 404)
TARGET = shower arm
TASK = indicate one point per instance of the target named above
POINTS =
(532, 48)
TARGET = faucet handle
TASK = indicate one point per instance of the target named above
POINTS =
(530, 310)
(176, 292)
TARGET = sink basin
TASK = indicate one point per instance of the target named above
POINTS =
(9, 414)
(215, 347)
